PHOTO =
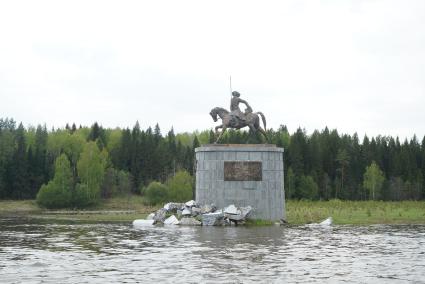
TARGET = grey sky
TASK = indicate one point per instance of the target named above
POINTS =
(358, 66)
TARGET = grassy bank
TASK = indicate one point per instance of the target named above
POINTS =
(356, 212)
(128, 208)
(18, 207)
(118, 209)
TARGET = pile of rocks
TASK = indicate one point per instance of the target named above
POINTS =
(193, 214)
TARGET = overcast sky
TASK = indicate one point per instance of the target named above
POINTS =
(358, 66)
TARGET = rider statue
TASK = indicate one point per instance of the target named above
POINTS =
(235, 111)
(236, 119)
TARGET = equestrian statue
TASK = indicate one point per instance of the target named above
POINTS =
(236, 118)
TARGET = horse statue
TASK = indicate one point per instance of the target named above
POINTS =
(228, 120)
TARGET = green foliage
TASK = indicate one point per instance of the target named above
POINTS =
(115, 183)
(58, 192)
(113, 138)
(83, 196)
(50, 196)
(335, 162)
(196, 143)
(307, 188)
(73, 146)
(180, 187)
(203, 137)
(342, 159)
(186, 139)
(373, 180)
(97, 134)
(18, 170)
(156, 193)
(91, 169)
(258, 222)
(290, 184)
(355, 212)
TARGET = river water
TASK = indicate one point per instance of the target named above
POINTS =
(41, 252)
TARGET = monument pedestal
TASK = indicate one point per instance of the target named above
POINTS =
(243, 175)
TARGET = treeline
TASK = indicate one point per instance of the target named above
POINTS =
(92, 160)
(322, 165)
(326, 164)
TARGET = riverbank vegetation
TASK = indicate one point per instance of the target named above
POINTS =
(77, 167)
(356, 212)
(121, 208)
(131, 207)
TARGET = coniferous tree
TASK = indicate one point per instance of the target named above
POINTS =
(18, 170)
(211, 138)
(343, 160)
(136, 158)
(27, 158)
(296, 152)
(7, 148)
(73, 128)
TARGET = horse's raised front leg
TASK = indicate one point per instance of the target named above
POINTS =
(217, 134)
(218, 127)
(222, 131)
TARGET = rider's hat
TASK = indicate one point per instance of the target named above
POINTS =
(236, 94)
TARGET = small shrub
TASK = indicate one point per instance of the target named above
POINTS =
(180, 187)
(51, 196)
(156, 192)
(143, 189)
(58, 192)
(81, 197)
(307, 188)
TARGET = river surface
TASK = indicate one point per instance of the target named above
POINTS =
(41, 252)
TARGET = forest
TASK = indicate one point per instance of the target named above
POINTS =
(95, 162)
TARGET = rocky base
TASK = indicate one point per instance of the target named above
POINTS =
(192, 214)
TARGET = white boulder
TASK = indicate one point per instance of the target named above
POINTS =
(172, 220)
(213, 219)
(191, 203)
(143, 223)
(172, 206)
(232, 210)
(187, 212)
(326, 222)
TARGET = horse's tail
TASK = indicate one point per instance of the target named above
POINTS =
(263, 118)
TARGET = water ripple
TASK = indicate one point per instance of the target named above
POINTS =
(34, 252)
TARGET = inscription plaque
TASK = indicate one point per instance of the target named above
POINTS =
(243, 171)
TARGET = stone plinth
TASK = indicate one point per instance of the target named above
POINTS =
(243, 175)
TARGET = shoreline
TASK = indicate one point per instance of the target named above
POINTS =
(125, 209)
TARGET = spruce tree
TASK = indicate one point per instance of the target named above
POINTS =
(18, 169)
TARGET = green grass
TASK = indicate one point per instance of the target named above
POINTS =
(11, 207)
(258, 222)
(356, 212)
(129, 202)
(129, 208)
(117, 209)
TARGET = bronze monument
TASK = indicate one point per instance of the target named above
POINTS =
(236, 118)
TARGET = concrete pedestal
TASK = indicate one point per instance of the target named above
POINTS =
(242, 175)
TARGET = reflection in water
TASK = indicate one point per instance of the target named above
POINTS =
(97, 253)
